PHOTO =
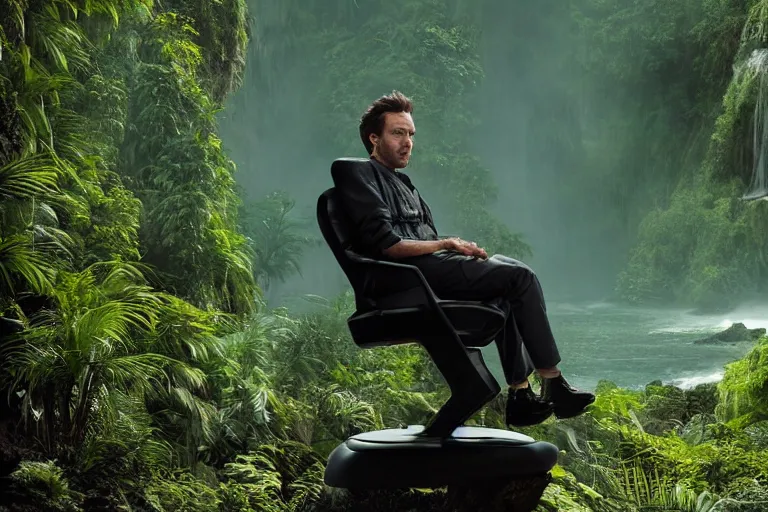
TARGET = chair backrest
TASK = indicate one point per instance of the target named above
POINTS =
(334, 225)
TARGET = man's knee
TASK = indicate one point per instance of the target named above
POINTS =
(518, 266)
(518, 279)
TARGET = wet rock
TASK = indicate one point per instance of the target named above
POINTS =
(735, 333)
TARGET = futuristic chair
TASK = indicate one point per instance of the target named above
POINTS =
(443, 452)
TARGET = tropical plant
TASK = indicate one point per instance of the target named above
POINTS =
(278, 241)
(89, 344)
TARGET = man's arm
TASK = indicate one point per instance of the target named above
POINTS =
(362, 201)
(409, 248)
(373, 221)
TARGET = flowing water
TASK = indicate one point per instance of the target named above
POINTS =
(633, 346)
(758, 62)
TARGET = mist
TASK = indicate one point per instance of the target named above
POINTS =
(525, 128)
(579, 120)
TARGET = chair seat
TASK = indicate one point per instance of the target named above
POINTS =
(476, 323)
(401, 458)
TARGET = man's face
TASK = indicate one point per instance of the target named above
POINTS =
(393, 147)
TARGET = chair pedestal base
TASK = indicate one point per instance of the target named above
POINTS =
(402, 458)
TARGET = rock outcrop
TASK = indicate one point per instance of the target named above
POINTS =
(735, 333)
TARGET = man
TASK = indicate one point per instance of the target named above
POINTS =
(393, 222)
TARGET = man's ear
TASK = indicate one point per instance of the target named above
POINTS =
(373, 138)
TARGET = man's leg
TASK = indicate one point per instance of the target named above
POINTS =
(515, 360)
(527, 341)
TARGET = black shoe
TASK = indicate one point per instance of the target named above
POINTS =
(566, 400)
(524, 408)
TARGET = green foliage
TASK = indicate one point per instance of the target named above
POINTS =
(742, 390)
(278, 478)
(39, 485)
(624, 452)
(166, 384)
(702, 248)
(107, 367)
(181, 491)
(89, 345)
(650, 491)
(51, 173)
(614, 402)
(221, 32)
(278, 241)
(180, 173)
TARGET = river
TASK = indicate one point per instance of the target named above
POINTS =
(632, 346)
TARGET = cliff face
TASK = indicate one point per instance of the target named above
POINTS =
(704, 244)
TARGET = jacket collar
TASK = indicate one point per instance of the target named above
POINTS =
(381, 166)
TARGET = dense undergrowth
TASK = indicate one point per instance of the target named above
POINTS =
(286, 390)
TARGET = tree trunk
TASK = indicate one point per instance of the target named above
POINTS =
(49, 412)
(83, 410)
(64, 411)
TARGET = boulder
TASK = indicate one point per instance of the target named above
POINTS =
(735, 333)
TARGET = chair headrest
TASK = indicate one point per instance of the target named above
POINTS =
(346, 165)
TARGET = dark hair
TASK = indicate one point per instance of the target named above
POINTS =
(373, 118)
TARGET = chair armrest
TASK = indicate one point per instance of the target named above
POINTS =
(418, 280)
(414, 275)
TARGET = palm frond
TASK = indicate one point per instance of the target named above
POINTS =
(19, 259)
(60, 41)
(308, 488)
(31, 176)
(15, 21)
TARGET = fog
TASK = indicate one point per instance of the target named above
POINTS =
(533, 120)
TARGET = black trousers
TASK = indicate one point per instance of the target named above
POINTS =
(526, 342)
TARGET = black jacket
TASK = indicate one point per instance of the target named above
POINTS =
(383, 206)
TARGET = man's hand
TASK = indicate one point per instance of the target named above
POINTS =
(464, 247)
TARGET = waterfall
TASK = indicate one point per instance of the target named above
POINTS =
(758, 189)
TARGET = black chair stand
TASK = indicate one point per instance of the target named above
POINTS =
(442, 452)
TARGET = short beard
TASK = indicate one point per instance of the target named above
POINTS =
(391, 162)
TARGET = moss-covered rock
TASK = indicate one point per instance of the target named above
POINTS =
(735, 333)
